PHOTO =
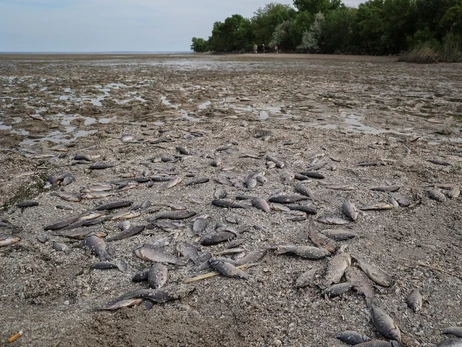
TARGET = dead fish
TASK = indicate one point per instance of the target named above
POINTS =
(99, 187)
(98, 246)
(141, 207)
(156, 254)
(401, 200)
(126, 215)
(301, 189)
(385, 324)
(160, 178)
(63, 223)
(450, 343)
(199, 225)
(227, 269)
(332, 220)
(157, 275)
(313, 174)
(188, 251)
(456, 331)
(260, 178)
(261, 204)
(227, 203)
(65, 207)
(220, 193)
(349, 209)
(279, 164)
(252, 257)
(287, 199)
(306, 279)
(177, 214)
(6, 240)
(377, 207)
(167, 225)
(121, 303)
(304, 208)
(60, 247)
(96, 195)
(344, 187)
(374, 273)
(336, 268)
(118, 264)
(141, 276)
(439, 162)
(223, 180)
(86, 222)
(295, 216)
(279, 207)
(386, 188)
(172, 183)
(78, 234)
(337, 289)
(436, 195)
(100, 166)
(352, 337)
(161, 295)
(287, 177)
(197, 181)
(454, 192)
(317, 166)
(85, 157)
(183, 150)
(113, 205)
(27, 203)
(414, 300)
(218, 236)
(307, 252)
(88, 215)
(361, 283)
(339, 234)
(319, 239)
(67, 196)
(129, 232)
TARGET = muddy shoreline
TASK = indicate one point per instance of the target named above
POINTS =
(304, 110)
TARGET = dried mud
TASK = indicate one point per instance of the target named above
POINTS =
(342, 110)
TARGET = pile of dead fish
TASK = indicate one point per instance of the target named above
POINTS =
(344, 271)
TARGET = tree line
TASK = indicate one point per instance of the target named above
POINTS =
(376, 27)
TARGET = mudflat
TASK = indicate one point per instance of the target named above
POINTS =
(366, 147)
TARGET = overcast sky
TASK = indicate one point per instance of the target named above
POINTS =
(115, 25)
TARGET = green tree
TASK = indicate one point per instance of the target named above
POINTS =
(266, 19)
(315, 6)
(281, 36)
(302, 23)
(199, 45)
(337, 30)
(310, 39)
(230, 35)
(452, 19)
